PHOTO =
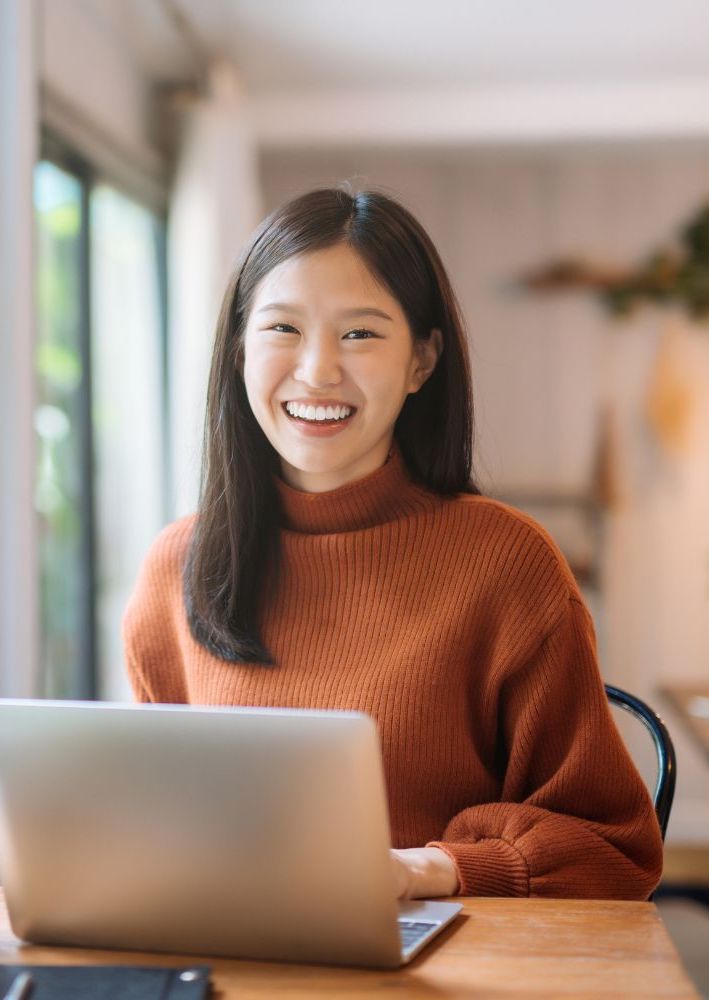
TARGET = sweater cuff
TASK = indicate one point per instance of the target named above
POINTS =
(487, 867)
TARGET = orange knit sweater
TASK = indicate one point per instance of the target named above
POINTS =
(457, 624)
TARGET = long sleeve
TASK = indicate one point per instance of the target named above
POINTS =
(574, 817)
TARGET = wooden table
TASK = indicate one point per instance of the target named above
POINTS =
(496, 948)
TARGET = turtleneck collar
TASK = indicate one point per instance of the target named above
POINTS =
(383, 495)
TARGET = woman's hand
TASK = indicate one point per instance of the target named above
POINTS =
(420, 872)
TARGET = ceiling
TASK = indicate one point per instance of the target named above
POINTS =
(282, 46)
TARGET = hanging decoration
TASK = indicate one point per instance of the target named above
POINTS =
(672, 394)
(674, 276)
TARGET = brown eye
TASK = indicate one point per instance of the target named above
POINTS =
(366, 334)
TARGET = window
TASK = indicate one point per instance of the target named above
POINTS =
(100, 419)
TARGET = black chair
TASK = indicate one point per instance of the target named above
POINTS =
(666, 761)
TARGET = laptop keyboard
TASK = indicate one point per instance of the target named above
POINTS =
(414, 931)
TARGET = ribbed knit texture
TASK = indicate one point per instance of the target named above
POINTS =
(457, 624)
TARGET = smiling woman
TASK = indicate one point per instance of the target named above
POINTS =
(342, 557)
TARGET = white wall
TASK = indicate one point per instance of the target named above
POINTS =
(483, 113)
(542, 368)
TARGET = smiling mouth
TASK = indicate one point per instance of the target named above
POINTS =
(321, 415)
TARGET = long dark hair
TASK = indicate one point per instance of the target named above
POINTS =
(235, 545)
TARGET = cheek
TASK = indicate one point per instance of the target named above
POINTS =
(256, 393)
(260, 375)
(250, 377)
(388, 379)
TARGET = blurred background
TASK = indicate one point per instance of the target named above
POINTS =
(557, 152)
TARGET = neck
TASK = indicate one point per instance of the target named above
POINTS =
(327, 482)
(386, 494)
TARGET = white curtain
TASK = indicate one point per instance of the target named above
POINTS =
(215, 205)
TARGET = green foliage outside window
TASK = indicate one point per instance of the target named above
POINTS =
(58, 368)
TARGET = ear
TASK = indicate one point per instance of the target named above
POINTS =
(427, 352)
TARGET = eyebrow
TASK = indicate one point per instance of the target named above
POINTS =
(345, 314)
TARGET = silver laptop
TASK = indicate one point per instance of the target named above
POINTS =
(252, 833)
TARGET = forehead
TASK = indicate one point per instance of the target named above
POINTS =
(337, 277)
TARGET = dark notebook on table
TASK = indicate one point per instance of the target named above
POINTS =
(110, 982)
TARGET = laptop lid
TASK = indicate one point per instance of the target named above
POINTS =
(259, 833)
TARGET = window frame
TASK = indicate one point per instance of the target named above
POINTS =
(54, 149)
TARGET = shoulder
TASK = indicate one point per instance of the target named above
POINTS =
(513, 559)
(168, 550)
(159, 581)
(492, 523)
(153, 618)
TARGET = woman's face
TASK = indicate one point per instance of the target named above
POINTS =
(324, 339)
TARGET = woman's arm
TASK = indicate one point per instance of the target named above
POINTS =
(574, 818)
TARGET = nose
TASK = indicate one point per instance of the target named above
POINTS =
(318, 364)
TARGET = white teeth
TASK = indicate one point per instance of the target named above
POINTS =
(305, 412)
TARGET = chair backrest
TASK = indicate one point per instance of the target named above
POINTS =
(664, 750)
